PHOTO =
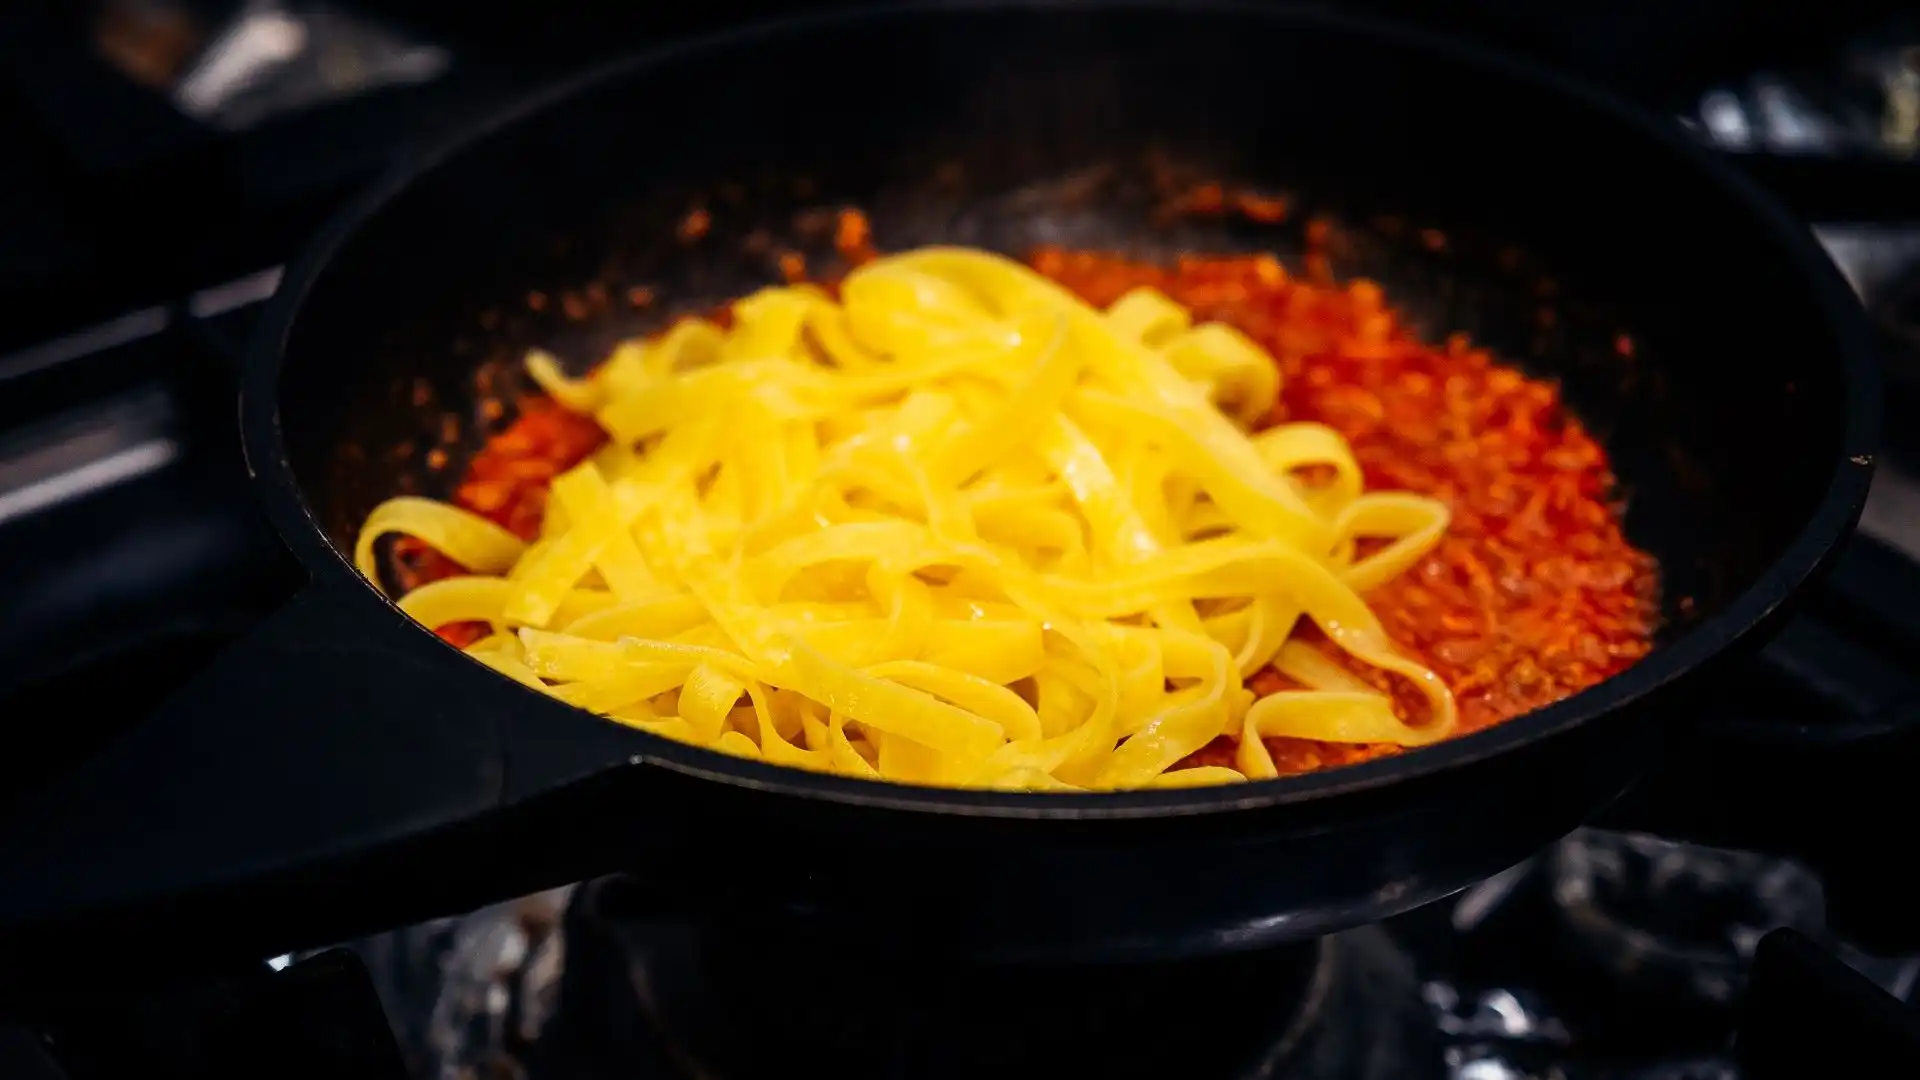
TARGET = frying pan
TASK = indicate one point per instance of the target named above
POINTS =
(342, 769)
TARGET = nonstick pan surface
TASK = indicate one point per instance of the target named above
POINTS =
(344, 745)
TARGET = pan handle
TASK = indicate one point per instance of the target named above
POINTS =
(291, 794)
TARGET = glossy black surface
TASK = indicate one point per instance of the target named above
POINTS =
(321, 1017)
(642, 998)
(1742, 485)
(1795, 987)
(114, 195)
(1609, 955)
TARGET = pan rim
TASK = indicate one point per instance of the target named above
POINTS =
(1813, 545)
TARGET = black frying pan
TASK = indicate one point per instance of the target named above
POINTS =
(343, 768)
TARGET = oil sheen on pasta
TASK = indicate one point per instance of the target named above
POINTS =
(967, 523)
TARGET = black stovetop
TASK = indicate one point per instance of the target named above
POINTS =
(130, 552)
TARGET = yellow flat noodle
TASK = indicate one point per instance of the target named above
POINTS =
(1028, 780)
(498, 642)
(580, 395)
(554, 522)
(896, 310)
(1315, 670)
(773, 743)
(1324, 716)
(660, 616)
(1231, 472)
(671, 727)
(1233, 369)
(1202, 776)
(458, 599)
(1159, 394)
(908, 603)
(654, 407)
(971, 692)
(827, 324)
(733, 742)
(1036, 533)
(766, 325)
(502, 653)
(905, 761)
(842, 755)
(1150, 317)
(956, 527)
(583, 495)
(1415, 525)
(856, 643)
(565, 658)
(1015, 423)
(687, 344)
(634, 365)
(484, 599)
(1288, 448)
(625, 369)
(1116, 524)
(1183, 724)
(1270, 619)
(552, 572)
(465, 537)
(892, 707)
(510, 667)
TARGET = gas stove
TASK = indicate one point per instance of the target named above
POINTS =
(131, 552)
(1611, 955)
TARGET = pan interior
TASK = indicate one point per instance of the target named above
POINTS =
(1562, 230)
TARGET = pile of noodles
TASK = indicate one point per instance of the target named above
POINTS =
(955, 528)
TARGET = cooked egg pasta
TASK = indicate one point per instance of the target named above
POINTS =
(956, 527)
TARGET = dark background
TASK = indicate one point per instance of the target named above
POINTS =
(107, 192)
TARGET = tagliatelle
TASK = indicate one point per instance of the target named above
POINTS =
(957, 527)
